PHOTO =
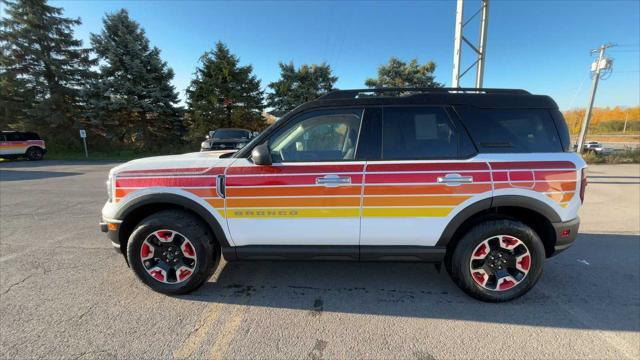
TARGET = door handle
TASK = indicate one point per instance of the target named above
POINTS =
(455, 179)
(333, 180)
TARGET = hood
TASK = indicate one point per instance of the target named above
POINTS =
(190, 162)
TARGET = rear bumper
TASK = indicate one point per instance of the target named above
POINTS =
(566, 233)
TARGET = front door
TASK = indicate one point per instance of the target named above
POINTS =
(311, 193)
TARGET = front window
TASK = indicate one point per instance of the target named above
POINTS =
(231, 134)
(320, 136)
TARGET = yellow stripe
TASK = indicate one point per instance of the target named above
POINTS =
(291, 213)
(406, 212)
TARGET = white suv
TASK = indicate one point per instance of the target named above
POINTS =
(480, 179)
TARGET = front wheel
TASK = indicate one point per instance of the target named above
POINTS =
(172, 252)
(498, 260)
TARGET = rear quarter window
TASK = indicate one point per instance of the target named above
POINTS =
(511, 130)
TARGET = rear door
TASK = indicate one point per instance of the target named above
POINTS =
(311, 193)
(426, 173)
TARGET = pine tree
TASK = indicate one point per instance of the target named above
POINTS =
(223, 94)
(133, 99)
(297, 86)
(43, 69)
(397, 73)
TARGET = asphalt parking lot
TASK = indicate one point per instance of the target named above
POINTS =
(64, 292)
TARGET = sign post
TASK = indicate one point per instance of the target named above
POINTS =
(83, 135)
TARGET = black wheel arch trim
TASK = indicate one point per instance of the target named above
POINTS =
(495, 202)
(178, 200)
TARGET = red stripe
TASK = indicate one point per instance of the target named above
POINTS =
(428, 167)
(520, 175)
(420, 178)
(293, 169)
(533, 165)
(282, 180)
(168, 181)
(190, 171)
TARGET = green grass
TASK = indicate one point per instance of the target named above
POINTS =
(121, 155)
(621, 157)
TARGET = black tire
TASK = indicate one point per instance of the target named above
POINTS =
(34, 153)
(206, 250)
(459, 266)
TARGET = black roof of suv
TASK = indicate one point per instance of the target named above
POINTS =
(482, 98)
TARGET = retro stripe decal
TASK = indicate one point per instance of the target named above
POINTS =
(254, 213)
(387, 190)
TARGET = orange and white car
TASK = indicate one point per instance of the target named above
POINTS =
(14, 144)
(480, 179)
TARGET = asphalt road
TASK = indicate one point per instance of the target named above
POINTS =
(65, 293)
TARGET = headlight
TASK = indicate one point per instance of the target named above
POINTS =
(240, 145)
(110, 189)
(205, 145)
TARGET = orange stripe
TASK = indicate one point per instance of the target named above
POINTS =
(211, 192)
(292, 191)
(293, 202)
(561, 197)
(542, 186)
(216, 203)
(414, 200)
(426, 189)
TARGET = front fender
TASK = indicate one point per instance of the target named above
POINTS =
(164, 195)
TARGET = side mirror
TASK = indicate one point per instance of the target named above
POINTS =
(261, 154)
(207, 137)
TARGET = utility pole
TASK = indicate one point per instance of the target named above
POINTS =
(601, 63)
(480, 49)
(626, 118)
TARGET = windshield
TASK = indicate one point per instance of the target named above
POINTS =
(230, 134)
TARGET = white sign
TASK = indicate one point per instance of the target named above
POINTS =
(83, 134)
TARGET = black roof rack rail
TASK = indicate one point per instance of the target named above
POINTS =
(355, 93)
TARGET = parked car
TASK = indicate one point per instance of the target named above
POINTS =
(481, 180)
(226, 139)
(15, 144)
(596, 148)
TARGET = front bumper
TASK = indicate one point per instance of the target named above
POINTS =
(566, 233)
(111, 228)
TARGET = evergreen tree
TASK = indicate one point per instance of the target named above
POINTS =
(43, 69)
(297, 86)
(133, 99)
(397, 73)
(223, 94)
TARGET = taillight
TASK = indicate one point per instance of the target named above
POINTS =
(583, 184)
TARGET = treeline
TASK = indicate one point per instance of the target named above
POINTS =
(605, 120)
(119, 89)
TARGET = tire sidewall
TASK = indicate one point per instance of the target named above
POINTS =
(203, 248)
(34, 150)
(473, 238)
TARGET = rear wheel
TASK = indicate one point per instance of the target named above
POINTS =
(498, 260)
(34, 153)
(172, 252)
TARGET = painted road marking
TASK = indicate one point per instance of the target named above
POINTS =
(195, 339)
(228, 332)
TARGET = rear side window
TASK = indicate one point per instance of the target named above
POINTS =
(31, 136)
(418, 133)
(511, 130)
